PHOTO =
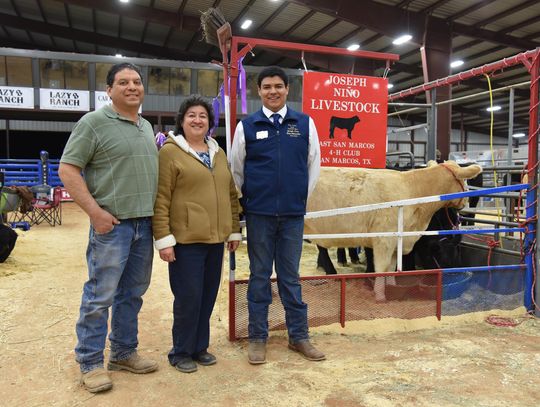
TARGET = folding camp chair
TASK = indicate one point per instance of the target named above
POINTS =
(47, 210)
(9, 203)
(9, 200)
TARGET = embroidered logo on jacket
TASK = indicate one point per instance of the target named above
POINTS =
(292, 130)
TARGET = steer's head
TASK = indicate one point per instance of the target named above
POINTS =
(455, 179)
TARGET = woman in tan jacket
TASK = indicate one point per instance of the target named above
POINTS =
(196, 211)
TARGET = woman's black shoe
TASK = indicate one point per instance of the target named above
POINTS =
(186, 365)
(206, 359)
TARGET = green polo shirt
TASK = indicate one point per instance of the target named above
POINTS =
(119, 160)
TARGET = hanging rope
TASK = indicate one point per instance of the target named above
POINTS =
(495, 183)
(506, 321)
(304, 62)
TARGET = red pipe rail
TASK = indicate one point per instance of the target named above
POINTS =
(251, 43)
(231, 70)
(521, 58)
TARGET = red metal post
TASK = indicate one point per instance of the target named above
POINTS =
(532, 192)
(533, 120)
(439, 295)
(522, 58)
(236, 55)
(251, 43)
(342, 302)
(232, 312)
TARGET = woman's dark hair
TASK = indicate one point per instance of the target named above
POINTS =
(195, 100)
(119, 67)
(272, 71)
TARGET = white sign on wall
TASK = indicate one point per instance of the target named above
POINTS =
(101, 99)
(64, 99)
(16, 98)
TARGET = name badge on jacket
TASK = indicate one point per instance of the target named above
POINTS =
(262, 134)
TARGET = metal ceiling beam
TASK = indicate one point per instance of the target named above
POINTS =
(466, 11)
(391, 21)
(44, 17)
(182, 22)
(70, 24)
(242, 12)
(286, 34)
(322, 31)
(506, 13)
(435, 6)
(10, 43)
(93, 38)
(381, 18)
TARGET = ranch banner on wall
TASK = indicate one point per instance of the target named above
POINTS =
(101, 99)
(64, 99)
(350, 113)
(16, 98)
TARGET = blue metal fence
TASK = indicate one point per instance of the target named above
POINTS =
(27, 172)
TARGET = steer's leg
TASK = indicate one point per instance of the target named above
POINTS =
(392, 267)
(323, 261)
(341, 257)
(382, 265)
(353, 254)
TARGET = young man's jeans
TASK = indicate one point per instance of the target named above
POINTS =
(119, 271)
(275, 239)
(194, 279)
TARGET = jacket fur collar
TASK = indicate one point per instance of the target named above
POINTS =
(180, 141)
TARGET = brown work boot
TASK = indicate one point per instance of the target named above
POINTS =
(134, 364)
(96, 380)
(257, 353)
(307, 350)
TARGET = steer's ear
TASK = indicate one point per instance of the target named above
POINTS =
(431, 163)
(469, 172)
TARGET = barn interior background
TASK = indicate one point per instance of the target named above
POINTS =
(449, 31)
(68, 44)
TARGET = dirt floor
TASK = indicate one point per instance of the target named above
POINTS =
(459, 361)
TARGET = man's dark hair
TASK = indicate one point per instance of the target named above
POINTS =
(119, 67)
(272, 71)
(195, 100)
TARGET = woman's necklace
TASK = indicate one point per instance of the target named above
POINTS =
(199, 147)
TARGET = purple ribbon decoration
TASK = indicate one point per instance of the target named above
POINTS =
(242, 85)
(160, 139)
(216, 105)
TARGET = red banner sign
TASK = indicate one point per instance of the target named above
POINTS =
(66, 197)
(350, 113)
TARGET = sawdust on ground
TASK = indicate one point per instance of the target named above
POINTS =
(459, 361)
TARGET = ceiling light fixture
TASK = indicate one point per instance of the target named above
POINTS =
(353, 47)
(124, 1)
(390, 85)
(246, 24)
(118, 55)
(402, 39)
(456, 63)
(493, 109)
(518, 135)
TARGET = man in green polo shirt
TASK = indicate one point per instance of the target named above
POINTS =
(115, 150)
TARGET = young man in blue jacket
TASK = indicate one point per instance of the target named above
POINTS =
(275, 160)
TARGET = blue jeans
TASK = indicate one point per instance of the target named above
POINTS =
(194, 279)
(275, 239)
(119, 271)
